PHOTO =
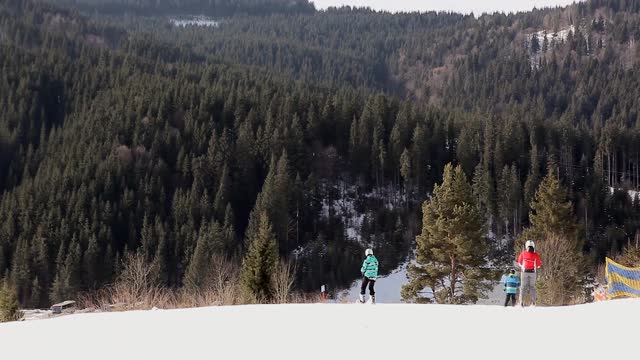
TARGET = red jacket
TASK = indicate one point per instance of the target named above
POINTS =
(529, 259)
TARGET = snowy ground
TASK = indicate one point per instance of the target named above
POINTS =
(604, 330)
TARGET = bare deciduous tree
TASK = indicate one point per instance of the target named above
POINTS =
(559, 278)
(283, 278)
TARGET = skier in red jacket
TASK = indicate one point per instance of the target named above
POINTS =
(529, 262)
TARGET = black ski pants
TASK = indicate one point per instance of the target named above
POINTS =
(513, 300)
(371, 283)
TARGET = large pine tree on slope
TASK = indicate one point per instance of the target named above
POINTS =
(451, 250)
(261, 258)
(554, 232)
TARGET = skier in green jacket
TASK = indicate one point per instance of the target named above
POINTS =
(369, 272)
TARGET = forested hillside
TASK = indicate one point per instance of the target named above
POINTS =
(177, 7)
(127, 134)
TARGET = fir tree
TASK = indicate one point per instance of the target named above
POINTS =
(419, 152)
(57, 288)
(67, 280)
(21, 272)
(509, 194)
(630, 256)
(406, 173)
(222, 195)
(147, 237)
(554, 232)
(9, 306)
(405, 166)
(201, 264)
(260, 259)
(450, 250)
(280, 206)
(229, 233)
(36, 294)
(159, 263)
(90, 264)
(551, 211)
(3, 263)
(533, 179)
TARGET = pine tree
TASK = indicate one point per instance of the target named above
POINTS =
(535, 44)
(554, 232)
(57, 288)
(21, 271)
(280, 210)
(551, 211)
(419, 152)
(73, 267)
(229, 232)
(41, 268)
(201, 261)
(3, 261)
(400, 135)
(68, 277)
(450, 250)
(405, 166)
(108, 265)
(260, 260)
(222, 195)
(533, 179)
(90, 264)
(147, 237)
(630, 256)
(159, 263)
(35, 293)
(406, 173)
(468, 147)
(509, 193)
(9, 306)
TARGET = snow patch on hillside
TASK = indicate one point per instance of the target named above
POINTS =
(343, 205)
(344, 208)
(553, 40)
(200, 20)
(632, 193)
(603, 330)
(560, 35)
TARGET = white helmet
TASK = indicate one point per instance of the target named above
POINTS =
(530, 243)
(368, 252)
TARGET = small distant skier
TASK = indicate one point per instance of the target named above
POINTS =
(511, 284)
(529, 262)
(369, 272)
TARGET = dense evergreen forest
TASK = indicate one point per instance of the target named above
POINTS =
(177, 7)
(127, 134)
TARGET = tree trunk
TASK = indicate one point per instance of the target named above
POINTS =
(452, 279)
(608, 169)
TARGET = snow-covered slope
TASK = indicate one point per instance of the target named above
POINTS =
(605, 330)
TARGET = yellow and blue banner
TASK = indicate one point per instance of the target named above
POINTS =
(622, 281)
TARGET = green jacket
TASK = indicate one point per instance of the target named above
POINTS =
(370, 267)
